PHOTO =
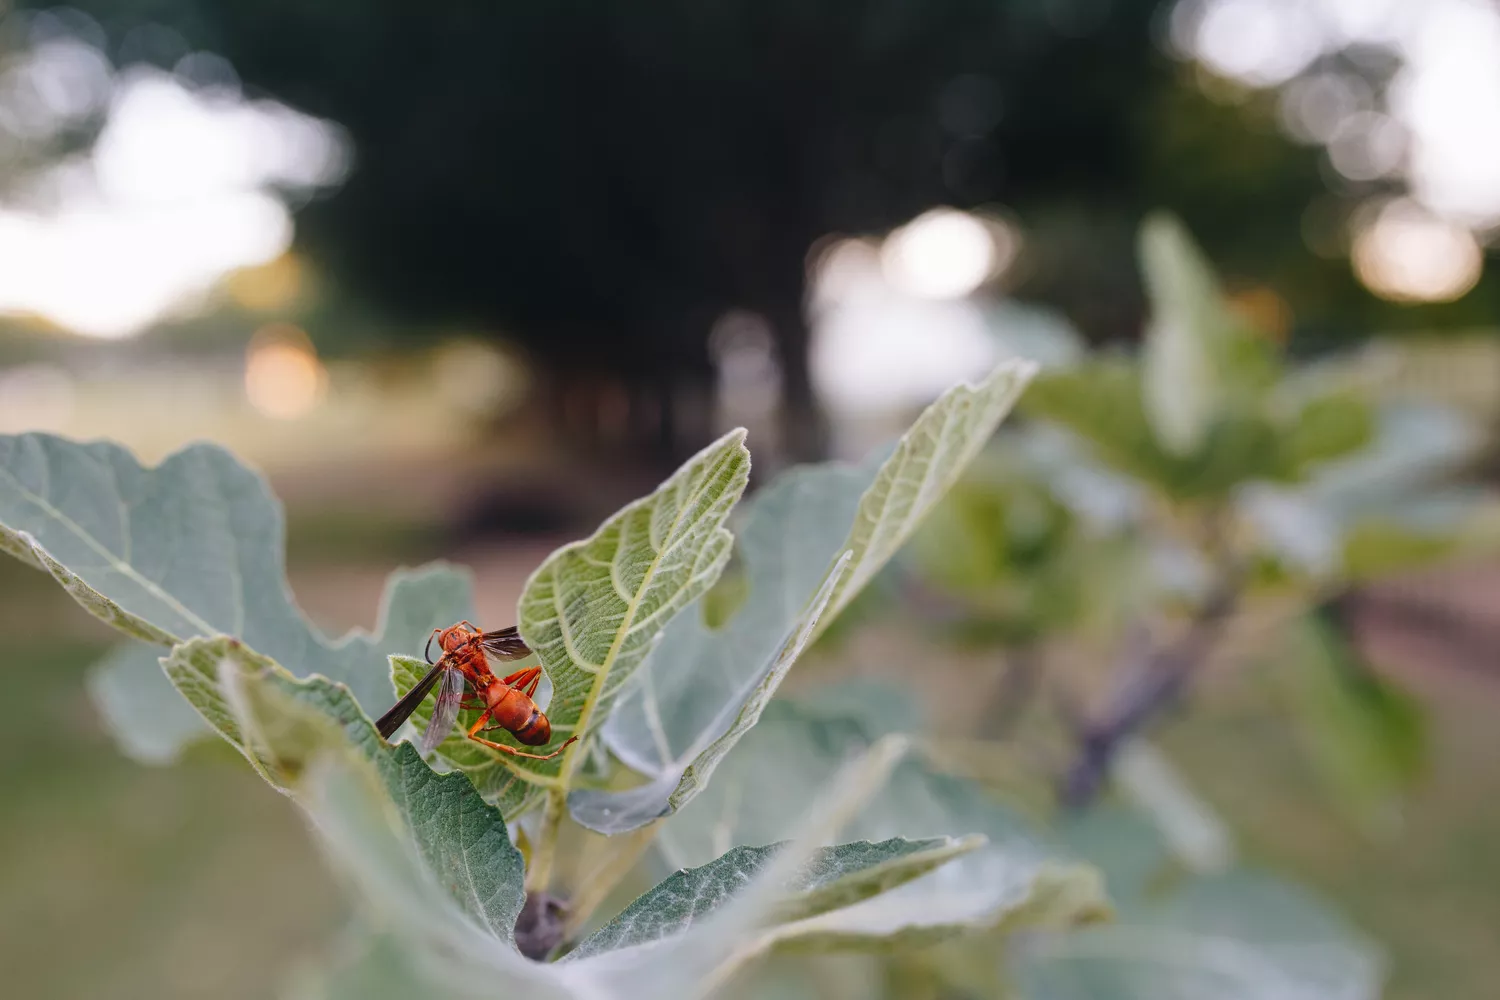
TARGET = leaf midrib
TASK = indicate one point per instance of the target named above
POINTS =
(113, 561)
(565, 773)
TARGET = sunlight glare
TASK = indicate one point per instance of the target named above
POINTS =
(181, 188)
(1407, 254)
(941, 254)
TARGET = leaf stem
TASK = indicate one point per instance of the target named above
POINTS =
(539, 875)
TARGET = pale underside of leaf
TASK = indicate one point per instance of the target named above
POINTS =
(1237, 936)
(1017, 876)
(281, 723)
(496, 783)
(618, 812)
(190, 548)
(594, 608)
(928, 460)
(834, 877)
(702, 688)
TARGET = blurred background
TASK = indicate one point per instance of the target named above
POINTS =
(461, 279)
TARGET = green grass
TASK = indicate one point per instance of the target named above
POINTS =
(1430, 894)
(123, 881)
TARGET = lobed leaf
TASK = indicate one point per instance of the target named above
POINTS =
(1017, 877)
(281, 724)
(429, 943)
(702, 688)
(191, 548)
(619, 811)
(594, 608)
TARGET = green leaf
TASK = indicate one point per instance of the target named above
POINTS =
(593, 610)
(835, 877)
(1182, 386)
(1328, 427)
(1366, 737)
(618, 812)
(1197, 836)
(193, 547)
(281, 724)
(704, 687)
(1237, 936)
(367, 841)
(929, 459)
(1198, 360)
(1126, 845)
(139, 707)
(1100, 401)
(496, 783)
(430, 940)
(1015, 879)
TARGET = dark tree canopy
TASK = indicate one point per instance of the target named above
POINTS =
(603, 178)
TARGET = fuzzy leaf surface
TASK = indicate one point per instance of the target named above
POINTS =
(496, 783)
(461, 840)
(593, 609)
(704, 687)
(1238, 936)
(834, 877)
(193, 547)
(1016, 879)
(431, 942)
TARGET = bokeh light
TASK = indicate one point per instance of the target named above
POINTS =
(185, 182)
(1408, 254)
(283, 377)
(879, 349)
(942, 254)
(1395, 91)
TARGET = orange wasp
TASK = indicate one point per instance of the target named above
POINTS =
(505, 701)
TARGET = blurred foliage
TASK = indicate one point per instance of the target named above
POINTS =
(1210, 477)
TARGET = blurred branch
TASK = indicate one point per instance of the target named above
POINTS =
(1158, 686)
(1013, 694)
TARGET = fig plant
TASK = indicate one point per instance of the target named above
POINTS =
(456, 860)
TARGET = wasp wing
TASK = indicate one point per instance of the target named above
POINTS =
(401, 711)
(505, 644)
(444, 711)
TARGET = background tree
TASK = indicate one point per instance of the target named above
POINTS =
(603, 179)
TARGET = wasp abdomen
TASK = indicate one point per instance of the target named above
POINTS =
(535, 731)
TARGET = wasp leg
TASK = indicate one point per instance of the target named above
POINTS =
(474, 735)
(521, 678)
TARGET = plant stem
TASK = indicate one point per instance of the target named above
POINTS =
(595, 885)
(539, 875)
(1161, 684)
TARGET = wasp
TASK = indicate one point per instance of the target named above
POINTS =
(506, 701)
